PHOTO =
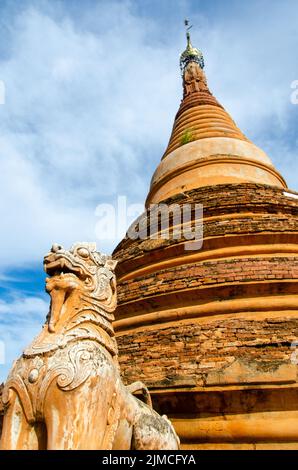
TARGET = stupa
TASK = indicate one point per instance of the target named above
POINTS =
(212, 331)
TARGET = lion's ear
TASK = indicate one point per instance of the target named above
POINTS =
(111, 264)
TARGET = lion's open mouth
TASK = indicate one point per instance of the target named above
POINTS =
(65, 277)
(62, 266)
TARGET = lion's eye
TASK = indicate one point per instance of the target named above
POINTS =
(83, 252)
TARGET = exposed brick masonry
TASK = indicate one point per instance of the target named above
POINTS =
(271, 212)
(191, 350)
(209, 273)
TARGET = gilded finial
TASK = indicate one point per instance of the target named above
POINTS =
(187, 28)
(191, 54)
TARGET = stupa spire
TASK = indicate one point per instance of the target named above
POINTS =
(193, 124)
(206, 147)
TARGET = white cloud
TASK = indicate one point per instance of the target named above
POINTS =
(75, 128)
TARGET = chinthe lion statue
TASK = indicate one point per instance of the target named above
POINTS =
(65, 391)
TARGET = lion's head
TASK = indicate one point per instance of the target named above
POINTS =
(81, 270)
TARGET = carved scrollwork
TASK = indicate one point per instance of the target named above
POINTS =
(82, 360)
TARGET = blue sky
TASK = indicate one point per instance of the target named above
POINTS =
(91, 92)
